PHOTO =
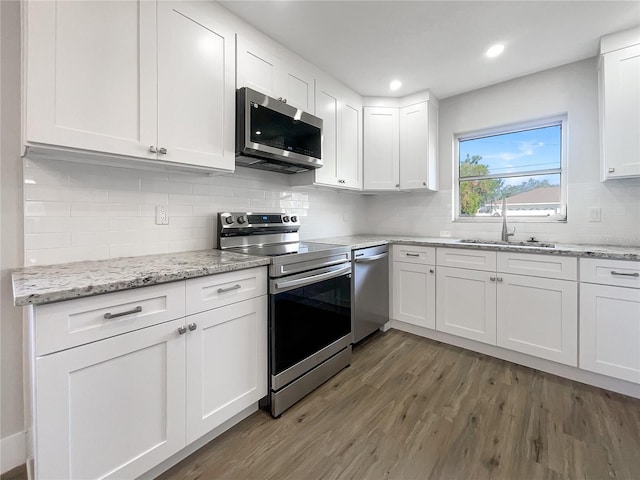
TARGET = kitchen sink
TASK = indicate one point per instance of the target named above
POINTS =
(510, 244)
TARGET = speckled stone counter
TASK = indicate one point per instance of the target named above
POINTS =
(54, 283)
(575, 250)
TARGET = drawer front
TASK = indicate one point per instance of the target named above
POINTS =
(619, 273)
(76, 322)
(214, 291)
(548, 266)
(414, 254)
(467, 258)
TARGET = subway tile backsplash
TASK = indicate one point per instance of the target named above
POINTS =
(77, 211)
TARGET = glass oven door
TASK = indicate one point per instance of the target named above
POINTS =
(310, 320)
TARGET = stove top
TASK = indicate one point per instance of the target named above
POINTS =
(294, 248)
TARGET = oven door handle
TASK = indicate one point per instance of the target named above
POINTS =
(313, 278)
(372, 258)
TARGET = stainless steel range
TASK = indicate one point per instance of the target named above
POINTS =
(309, 302)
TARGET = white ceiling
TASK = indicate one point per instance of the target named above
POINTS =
(437, 45)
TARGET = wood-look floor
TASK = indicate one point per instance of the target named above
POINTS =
(411, 408)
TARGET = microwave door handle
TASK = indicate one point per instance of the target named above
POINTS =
(312, 279)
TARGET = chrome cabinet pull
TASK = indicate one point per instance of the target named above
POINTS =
(622, 274)
(611, 170)
(153, 149)
(110, 315)
(162, 150)
(499, 279)
(397, 185)
(412, 254)
(493, 279)
(182, 330)
(193, 326)
(228, 289)
(431, 270)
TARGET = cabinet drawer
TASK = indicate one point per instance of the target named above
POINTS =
(619, 273)
(548, 266)
(76, 322)
(467, 258)
(414, 254)
(214, 291)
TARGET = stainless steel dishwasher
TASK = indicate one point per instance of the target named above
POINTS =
(370, 290)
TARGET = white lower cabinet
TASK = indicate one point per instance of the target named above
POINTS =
(538, 316)
(466, 303)
(113, 408)
(226, 363)
(414, 294)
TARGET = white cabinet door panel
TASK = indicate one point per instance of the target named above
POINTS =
(466, 304)
(538, 316)
(196, 86)
(226, 363)
(381, 137)
(111, 409)
(414, 147)
(610, 331)
(91, 75)
(414, 288)
(350, 165)
(256, 68)
(327, 108)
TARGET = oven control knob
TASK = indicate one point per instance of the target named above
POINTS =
(294, 219)
(285, 219)
(241, 220)
(228, 220)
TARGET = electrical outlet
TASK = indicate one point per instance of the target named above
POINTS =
(594, 214)
(162, 215)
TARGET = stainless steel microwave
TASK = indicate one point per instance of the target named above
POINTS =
(271, 135)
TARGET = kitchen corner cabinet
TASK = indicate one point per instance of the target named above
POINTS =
(524, 302)
(400, 144)
(414, 285)
(619, 76)
(162, 87)
(114, 397)
(610, 318)
(270, 69)
(341, 112)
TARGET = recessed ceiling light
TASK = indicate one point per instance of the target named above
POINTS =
(495, 50)
(395, 84)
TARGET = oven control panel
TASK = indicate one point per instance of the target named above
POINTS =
(253, 221)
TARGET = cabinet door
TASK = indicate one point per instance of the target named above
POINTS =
(414, 147)
(295, 84)
(466, 303)
(381, 149)
(350, 133)
(621, 116)
(539, 317)
(226, 363)
(414, 294)
(610, 331)
(91, 75)
(113, 408)
(328, 109)
(196, 86)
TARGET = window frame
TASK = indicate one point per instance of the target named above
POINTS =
(560, 119)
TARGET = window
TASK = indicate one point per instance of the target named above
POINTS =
(520, 166)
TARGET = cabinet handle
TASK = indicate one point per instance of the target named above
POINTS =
(424, 184)
(622, 274)
(193, 326)
(397, 185)
(110, 315)
(412, 254)
(431, 270)
(499, 279)
(228, 289)
(182, 330)
(341, 181)
(611, 170)
(153, 149)
(493, 279)
(162, 150)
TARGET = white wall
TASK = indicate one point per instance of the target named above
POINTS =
(83, 212)
(571, 89)
(11, 411)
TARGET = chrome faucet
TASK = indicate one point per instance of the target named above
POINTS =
(505, 231)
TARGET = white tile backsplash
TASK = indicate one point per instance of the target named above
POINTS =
(85, 212)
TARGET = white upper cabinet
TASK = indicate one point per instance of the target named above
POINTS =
(620, 105)
(400, 143)
(91, 75)
(136, 78)
(272, 70)
(341, 112)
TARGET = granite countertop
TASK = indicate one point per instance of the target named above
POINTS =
(54, 283)
(611, 252)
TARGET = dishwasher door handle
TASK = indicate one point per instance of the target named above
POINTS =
(372, 259)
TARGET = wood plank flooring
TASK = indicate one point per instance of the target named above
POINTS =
(412, 408)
